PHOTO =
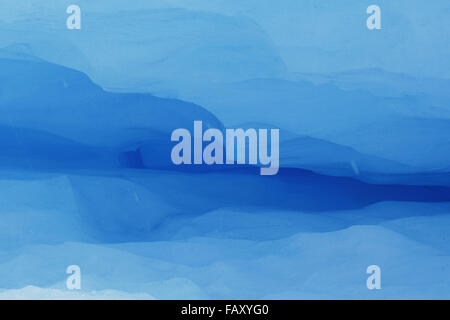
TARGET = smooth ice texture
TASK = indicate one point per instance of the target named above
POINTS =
(86, 176)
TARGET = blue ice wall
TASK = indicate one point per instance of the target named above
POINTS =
(86, 175)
